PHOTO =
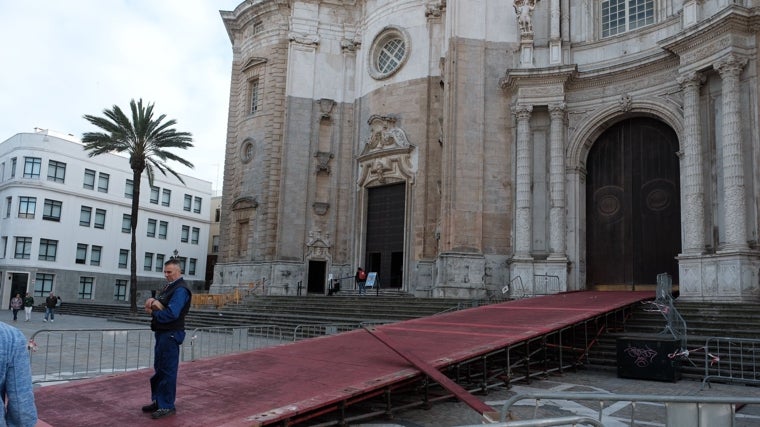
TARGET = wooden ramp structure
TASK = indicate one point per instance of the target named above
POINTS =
(328, 378)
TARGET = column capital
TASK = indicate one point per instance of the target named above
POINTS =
(730, 65)
(691, 79)
(557, 110)
(522, 111)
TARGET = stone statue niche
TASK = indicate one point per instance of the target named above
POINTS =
(524, 11)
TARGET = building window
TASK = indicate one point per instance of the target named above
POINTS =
(120, 290)
(154, 195)
(32, 166)
(619, 16)
(85, 216)
(123, 258)
(258, 27)
(48, 249)
(129, 188)
(166, 197)
(23, 248)
(163, 226)
(218, 215)
(388, 53)
(195, 235)
(95, 253)
(188, 203)
(8, 204)
(191, 266)
(148, 264)
(159, 262)
(89, 179)
(197, 206)
(4, 242)
(103, 179)
(81, 253)
(151, 227)
(52, 210)
(100, 219)
(185, 234)
(85, 287)
(126, 223)
(43, 284)
(254, 93)
(27, 206)
(215, 244)
(56, 171)
(182, 264)
(13, 167)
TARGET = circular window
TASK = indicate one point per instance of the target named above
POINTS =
(246, 151)
(390, 49)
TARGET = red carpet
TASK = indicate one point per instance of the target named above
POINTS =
(267, 386)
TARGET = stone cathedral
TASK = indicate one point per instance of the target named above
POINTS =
(461, 148)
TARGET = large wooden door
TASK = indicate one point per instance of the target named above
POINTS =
(385, 233)
(633, 208)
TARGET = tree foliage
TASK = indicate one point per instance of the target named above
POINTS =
(146, 140)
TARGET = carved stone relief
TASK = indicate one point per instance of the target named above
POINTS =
(318, 246)
(386, 156)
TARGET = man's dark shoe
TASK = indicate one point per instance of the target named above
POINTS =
(163, 412)
(153, 407)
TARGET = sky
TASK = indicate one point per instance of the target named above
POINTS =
(62, 59)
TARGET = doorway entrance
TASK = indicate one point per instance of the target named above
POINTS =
(633, 206)
(385, 234)
(317, 277)
(19, 283)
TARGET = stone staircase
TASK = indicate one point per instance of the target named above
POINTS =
(703, 321)
(288, 312)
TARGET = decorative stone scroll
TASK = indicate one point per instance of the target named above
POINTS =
(304, 39)
(386, 156)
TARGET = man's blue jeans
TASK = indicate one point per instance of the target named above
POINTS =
(49, 311)
(163, 383)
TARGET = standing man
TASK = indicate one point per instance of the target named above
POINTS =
(50, 303)
(167, 312)
(16, 379)
(28, 306)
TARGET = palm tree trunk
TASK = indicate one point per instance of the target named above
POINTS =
(136, 175)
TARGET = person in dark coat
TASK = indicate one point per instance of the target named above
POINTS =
(167, 311)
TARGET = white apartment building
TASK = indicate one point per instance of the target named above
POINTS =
(65, 222)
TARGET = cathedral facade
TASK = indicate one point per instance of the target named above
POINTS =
(465, 148)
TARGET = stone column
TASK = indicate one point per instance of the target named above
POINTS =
(557, 212)
(734, 200)
(524, 199)
(692, 186)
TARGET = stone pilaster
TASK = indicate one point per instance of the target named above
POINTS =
(735, 201)
(557, 213)
(692, 185)
(524, 199)
(555, 36)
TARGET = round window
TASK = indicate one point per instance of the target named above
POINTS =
(390, 50)
(246, 151)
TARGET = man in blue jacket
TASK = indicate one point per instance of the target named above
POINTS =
(167, 312)
(16, 379)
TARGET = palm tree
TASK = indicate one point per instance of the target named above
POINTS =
(146, 141)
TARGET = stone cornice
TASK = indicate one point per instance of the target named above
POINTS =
(732, 20)
(613, 74)
(517, 77)
(247, 11)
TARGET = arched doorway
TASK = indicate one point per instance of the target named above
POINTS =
(633, 208)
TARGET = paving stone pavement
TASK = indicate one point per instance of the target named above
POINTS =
(452, 413)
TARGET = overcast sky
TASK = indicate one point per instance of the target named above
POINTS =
(61, 59)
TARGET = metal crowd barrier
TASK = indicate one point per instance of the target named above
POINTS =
(63, 355)
(692, 411)
(301, 332)
(542, 284)
(731, 360)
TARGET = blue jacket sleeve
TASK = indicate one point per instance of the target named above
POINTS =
(20, 410)
(172, 311)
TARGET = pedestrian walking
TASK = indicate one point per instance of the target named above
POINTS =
(50, 302)
(16, 305)
(28, 306)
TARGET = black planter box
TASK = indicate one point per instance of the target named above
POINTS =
(646, 358)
